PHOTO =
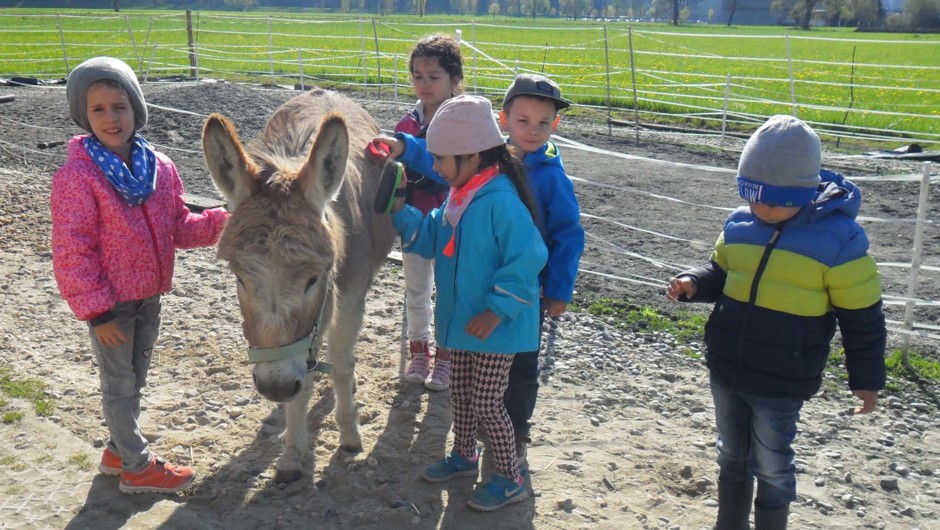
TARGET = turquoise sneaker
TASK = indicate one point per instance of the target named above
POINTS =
(498, 492)
(452, 466)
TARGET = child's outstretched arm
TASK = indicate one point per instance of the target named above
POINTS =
(192, 230)
(395, 146)
(701, 284)
(683, 288)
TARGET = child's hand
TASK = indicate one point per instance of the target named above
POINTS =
(869, 400)
(482, 325)
(395, 147)
(680, 288)
(553, 307)
(110, 334)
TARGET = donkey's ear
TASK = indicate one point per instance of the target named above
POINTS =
(232, 170)
(322, 175)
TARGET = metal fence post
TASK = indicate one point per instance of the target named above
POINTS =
(915, 261)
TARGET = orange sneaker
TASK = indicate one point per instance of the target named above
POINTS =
(157, 477)
(110, 463)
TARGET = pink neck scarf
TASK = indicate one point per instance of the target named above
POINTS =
(459, 199)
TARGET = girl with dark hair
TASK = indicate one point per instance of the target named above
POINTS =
(436, 71)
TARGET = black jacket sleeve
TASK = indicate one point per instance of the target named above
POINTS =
(864, 337)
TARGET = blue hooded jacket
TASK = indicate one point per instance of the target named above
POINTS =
(559, 221)
(495, 266)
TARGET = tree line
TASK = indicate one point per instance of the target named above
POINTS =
(916, 14)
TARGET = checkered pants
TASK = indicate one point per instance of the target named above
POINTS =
(478, 383)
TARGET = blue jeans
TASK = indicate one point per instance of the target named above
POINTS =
(122, 371)
(755, 435)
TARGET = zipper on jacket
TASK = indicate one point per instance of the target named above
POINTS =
(752, 299)
(156, 247)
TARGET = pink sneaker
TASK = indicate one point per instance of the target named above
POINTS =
(439, 379)
(420, 362)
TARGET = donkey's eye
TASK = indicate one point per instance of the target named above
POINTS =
(311, 283)
(239, 280)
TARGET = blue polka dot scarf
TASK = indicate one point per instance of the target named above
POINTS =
(134, 184)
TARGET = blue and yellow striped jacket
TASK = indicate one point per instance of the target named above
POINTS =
(779, 291)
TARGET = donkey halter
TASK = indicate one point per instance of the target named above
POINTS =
(309, 345)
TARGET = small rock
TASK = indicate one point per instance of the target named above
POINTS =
(889, 483)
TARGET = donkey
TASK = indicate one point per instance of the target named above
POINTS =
(304, 244)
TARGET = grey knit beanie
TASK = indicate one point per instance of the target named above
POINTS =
(780, 163)
(464, 125)
(97, 69)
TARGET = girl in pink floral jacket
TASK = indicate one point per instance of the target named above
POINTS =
(118, 217)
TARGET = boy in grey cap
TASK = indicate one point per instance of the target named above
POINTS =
(530, 115)
(787, 267)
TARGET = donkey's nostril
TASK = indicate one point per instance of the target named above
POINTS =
(297, 386)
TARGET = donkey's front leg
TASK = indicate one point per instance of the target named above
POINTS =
(342, 354)
(294, 438)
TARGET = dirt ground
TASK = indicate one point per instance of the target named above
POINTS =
(623, 436)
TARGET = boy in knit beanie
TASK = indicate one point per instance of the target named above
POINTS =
(786, 268)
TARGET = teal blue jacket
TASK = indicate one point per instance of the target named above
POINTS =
(496, 262)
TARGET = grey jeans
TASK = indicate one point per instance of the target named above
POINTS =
(122, 371)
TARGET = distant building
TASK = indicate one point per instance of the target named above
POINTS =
(748, 13)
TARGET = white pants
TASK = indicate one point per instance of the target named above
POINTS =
(419, 285)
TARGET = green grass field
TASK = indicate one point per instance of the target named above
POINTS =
(877, 84)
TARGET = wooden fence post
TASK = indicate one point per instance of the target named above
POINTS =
(271, 52)
(300, 65)
(636, 108)
(192, 45)
(395, 77)
(378, 56)
(65, 55)
(130, 33)
(610, 131)
(362, 46)
(473, 39)
(724, 107)
(792, 83)
(150, 63)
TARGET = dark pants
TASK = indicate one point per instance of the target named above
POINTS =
(523, 388)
